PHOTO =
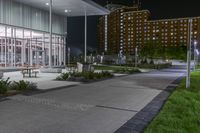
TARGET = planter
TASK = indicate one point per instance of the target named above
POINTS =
(51, 70)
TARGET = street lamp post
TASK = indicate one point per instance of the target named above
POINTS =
(136, 55)
(68, 55)
(195, 55)
(189, 54)
(85, 47)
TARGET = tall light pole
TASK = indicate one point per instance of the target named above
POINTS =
(85, 47)
(136, 55)
(189, 54)
(195, 55)
(68, 55)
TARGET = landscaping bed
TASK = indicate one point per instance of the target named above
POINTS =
(8, 88)
(181, 113)
(118, 69)
(84, 76)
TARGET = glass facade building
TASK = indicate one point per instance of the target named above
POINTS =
(24, 36)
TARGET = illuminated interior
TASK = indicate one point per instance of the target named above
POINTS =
(25, 47)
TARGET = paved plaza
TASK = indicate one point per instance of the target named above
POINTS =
(44, 81)
(100, 107)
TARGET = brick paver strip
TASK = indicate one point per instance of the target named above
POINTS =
(141, 120)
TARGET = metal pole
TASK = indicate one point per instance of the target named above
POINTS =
(85, 51)
(50, 33)
(189, 54)
(68, 55)
(195, 55)
(136, 54)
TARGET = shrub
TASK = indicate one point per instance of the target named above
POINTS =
(127, 70)
(63, 76)
(23, 85)
(4, 86)
(84, 76)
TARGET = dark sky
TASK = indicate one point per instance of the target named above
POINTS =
(160, 9)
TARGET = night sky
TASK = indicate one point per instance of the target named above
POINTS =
(160, 9)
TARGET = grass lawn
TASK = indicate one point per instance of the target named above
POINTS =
(181, 113)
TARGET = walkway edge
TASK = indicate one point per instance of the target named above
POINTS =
(142, 119)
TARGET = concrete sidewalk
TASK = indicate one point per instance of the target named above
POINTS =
(44, 81)
(100, 107)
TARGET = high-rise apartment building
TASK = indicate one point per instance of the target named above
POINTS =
(128, 27)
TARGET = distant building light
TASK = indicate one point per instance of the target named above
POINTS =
(66, 11)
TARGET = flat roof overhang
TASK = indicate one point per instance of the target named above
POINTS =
(69, 8)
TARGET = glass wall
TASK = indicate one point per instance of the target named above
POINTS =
(21, 47)
(21, 15)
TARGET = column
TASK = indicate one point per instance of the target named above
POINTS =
(64, 51)
(50, 33)
(57, 50)
(6, 46)
(60, 51)
(22, 45)
(43, 49)
(1, 50)
(15, 47)
(54, 51)
(11, 51)
(31, 50)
